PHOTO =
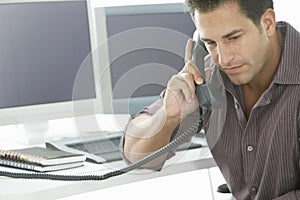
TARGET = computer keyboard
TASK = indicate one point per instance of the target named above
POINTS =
(99, 148)
(103, 147)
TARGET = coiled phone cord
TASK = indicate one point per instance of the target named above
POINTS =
(172, 145)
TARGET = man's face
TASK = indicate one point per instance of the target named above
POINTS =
(237, 46)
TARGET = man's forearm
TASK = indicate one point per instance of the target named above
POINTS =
(145, 134)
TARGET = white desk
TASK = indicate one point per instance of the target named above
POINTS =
(187, 185)
(183, 174)
(197, 184)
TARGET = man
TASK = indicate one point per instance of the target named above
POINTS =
(258, 149)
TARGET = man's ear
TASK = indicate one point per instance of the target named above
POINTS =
(268, 22)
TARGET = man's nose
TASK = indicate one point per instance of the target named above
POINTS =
(225, 55)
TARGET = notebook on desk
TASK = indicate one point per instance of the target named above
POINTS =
(40, 159)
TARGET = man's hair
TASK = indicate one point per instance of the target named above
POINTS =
(253, 9)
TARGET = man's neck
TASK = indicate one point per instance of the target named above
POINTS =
(253, 90)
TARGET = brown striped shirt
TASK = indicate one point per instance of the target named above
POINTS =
(260, 157)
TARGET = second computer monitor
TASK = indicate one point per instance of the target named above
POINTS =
(146, 45)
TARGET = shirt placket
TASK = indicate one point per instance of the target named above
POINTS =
(249, 145)
(248, 141)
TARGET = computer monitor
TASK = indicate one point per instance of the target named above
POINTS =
(47, 70)
(146, 45)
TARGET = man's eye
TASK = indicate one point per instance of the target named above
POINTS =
(234, 37)
(210, 43)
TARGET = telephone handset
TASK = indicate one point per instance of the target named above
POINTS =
(199, 53)
(210, 94)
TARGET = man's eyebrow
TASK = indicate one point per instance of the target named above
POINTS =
(224, 37)
(205, 39)
(231, 33)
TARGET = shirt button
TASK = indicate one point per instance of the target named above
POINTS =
(250, 148)
(253, 190)
(236, 105)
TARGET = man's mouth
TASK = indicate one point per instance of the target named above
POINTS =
(233, 70)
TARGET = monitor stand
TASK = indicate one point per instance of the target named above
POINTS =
(34, 132)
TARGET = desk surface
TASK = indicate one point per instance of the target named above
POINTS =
(187, 185)
(192, 166)
(197, 184)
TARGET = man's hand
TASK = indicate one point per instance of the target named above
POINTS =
(180, 99)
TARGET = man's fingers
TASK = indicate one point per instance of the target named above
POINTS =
(188, 50)
(190, 67)
(189, 79)
(180, 84)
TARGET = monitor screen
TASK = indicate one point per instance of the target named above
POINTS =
(146, 46)
(43, 47)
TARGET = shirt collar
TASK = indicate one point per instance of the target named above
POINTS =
(289, 67)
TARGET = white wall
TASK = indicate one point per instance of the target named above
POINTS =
(287, 10)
